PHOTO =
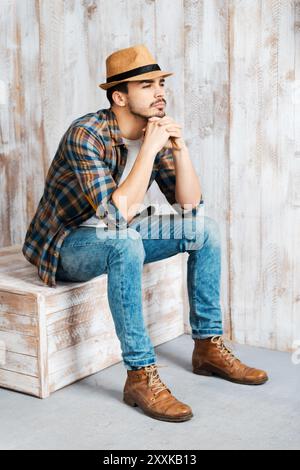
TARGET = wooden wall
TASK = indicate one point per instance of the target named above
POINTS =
(264, 185)
(236, 91)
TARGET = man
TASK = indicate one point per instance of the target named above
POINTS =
(88, 223)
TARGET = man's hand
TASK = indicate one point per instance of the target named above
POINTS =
(176, 141)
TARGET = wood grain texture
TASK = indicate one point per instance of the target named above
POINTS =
(265, 219)
(206, 112)
(50, 338)
(295, 321)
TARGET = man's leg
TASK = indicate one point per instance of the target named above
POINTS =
(200, 237)
(88, 252)
(167, 235)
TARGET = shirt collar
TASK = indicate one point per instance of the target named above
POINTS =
(115, 133)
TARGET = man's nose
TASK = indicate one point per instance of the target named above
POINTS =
(161, 94)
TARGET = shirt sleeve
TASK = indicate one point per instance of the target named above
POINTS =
(85, 154)
(166, 180)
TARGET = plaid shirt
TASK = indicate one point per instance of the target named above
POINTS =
(84, 172)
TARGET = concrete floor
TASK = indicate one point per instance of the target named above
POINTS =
(91, 414)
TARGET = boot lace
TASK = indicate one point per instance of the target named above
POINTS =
(154, 380)
(225, 350)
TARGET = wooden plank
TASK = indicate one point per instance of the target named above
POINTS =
(75, 335)
(169, 328)
(26, 365)
(21, 132)
(26, 325)
(104, 346)
(77, 294)
(246, 139)
(296, 84)
(17, 302)
(11, 283)
(19, 382)
(12, 254)
(262, 132)
(18, 267)
(25, 282)
(59, 321)
(295, 321)
(18, 343)
(83, 360)
(10, 250)
(42, 356)
(206, 91)
(169, 268)
(282, 235)
(2, 353)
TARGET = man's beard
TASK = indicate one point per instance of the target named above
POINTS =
(144, 115)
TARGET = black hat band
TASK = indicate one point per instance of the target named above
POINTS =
(133, 72)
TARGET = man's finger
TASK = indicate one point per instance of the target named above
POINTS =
(154, 118)
(164, 121)
(171, 125)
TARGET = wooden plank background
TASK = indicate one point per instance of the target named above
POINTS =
(263, 202)
(236, 91)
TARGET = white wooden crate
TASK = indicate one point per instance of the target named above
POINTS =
(52, 337)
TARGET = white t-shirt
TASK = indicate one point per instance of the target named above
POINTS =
(133, 150)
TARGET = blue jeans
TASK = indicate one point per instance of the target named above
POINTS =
(89, 251)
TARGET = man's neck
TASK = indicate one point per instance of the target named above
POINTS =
(130, 125)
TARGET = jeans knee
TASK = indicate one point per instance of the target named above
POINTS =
(132, 245)
(200, 229)
(212, 230)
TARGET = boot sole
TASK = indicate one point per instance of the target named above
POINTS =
(207, 373)
(129, 401)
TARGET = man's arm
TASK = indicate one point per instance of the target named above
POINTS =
(84, 152)
(132, 190)
(187, 188)
(178, 180)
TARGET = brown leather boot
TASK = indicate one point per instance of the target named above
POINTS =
(212, 357)
(145, 389)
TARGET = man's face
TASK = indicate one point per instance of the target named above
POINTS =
(144, 95)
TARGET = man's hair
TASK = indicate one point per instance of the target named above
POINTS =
(123, 87)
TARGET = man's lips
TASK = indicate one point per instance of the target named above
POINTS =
(159, 104)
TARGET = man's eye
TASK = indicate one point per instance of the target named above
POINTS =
(147, 86)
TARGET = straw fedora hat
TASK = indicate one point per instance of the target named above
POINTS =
(130, 64)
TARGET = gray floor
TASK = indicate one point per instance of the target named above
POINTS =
(91, 414)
